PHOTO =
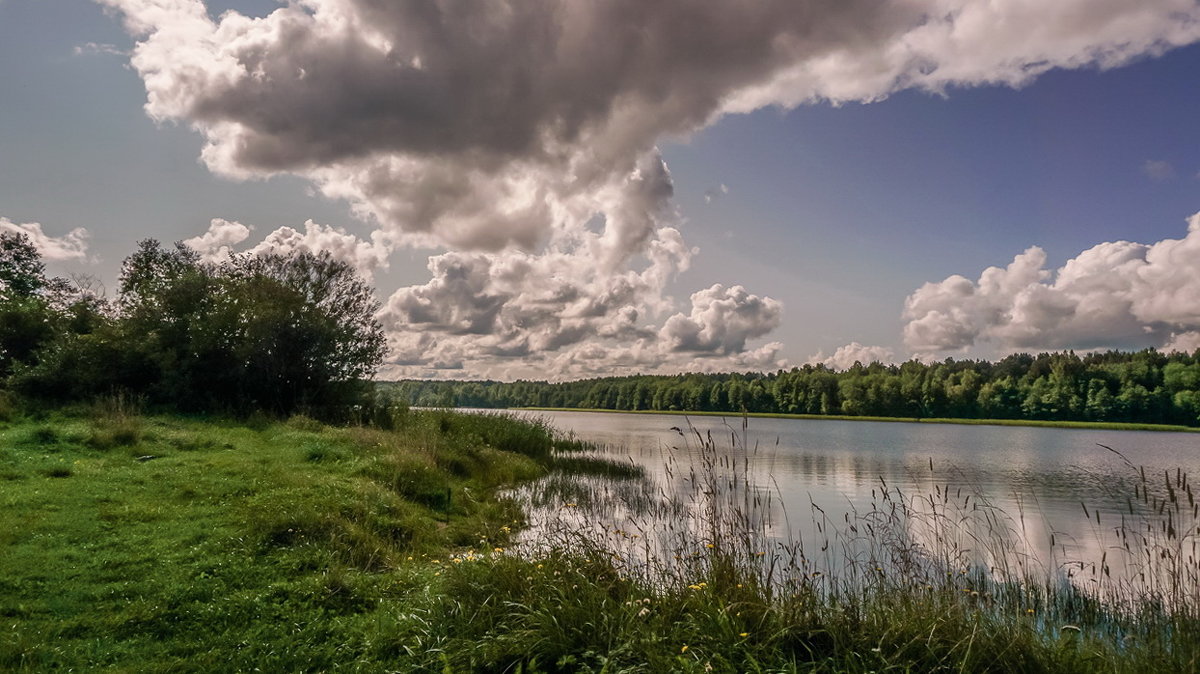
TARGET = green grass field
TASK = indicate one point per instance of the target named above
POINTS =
(169, 544)
(1100, 425)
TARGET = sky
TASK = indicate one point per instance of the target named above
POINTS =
(552, 189)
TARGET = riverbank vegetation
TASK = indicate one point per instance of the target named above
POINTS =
(1146, 387)
(165, 543)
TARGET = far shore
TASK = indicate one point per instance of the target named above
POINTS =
(1095, 425)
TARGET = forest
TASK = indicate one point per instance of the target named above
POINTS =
(1139, 387)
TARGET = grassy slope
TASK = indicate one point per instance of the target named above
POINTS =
(282, 548)
(294, 547)
(1101, 425)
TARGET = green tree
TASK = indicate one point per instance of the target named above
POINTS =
(22, 273)
(27, 316)
(275, 332)
(302, 330)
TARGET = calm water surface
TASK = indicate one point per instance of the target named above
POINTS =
(1042, 478)
(832, 459)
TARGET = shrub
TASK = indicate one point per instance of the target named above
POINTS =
(115, 423)
(8, 406)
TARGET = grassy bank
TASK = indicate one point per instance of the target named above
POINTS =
(170, 544)
(1099, 425)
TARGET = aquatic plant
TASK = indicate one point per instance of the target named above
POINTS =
(932, 575)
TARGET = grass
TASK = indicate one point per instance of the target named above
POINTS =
(174, 544)
(1098, 425)
(192, 545)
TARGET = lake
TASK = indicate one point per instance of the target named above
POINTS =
(1064, 501)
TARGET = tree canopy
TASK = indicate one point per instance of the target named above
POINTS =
(1145, 386)
(279, 333)
(22, 273)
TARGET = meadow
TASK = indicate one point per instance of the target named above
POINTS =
(146, 543)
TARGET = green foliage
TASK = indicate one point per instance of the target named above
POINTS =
(26, 324)
(1145, 387)
(280, 334)
(22, 273)
(8, 406)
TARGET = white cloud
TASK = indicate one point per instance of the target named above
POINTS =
(513, 311)
(222, 236)
(721, 321)
(1115, 294)
(713, 193)
(1158, 169)
(765, 357)
(938, 44)
(520, 136)
(365, 256)
(218, 241)
(99, 48)
(481, 125)
(508, 315)
(846, 356)
(1184, 342)
(71, 246)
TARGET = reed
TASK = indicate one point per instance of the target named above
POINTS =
(938, 580)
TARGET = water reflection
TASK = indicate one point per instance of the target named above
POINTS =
(1045, 502)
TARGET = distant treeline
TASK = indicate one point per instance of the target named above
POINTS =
(272, 333)
(1141, 387)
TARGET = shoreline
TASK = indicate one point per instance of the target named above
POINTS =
(1083, 425)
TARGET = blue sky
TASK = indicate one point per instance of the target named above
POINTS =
(852, 208)
(831, 216)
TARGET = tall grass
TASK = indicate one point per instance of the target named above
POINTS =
(916, 581)
(116, 422)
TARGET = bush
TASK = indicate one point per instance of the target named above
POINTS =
(277, 333)
(8, 407)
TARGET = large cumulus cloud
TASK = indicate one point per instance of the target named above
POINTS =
(519, 135)
(478, 123)
(722, 320)
(486, 307)
(1115, 294)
